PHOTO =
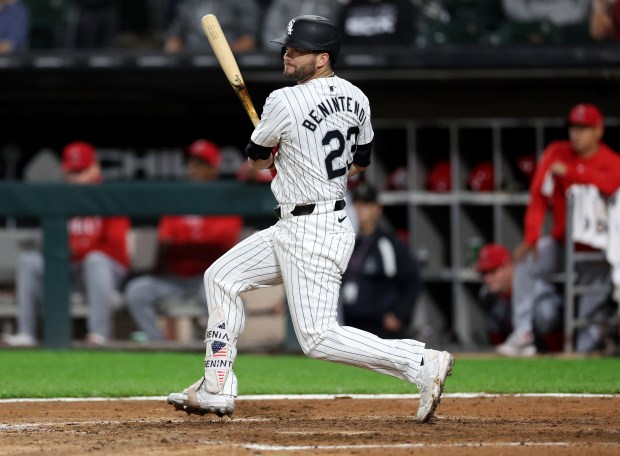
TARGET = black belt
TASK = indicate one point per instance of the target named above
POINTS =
(308, 209)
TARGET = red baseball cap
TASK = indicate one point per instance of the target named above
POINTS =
(492, 256)
(439, 178)
(77, 156)
(481, 177)
(206, 151)
(585, 114)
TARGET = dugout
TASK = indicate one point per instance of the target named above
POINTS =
(503, 100)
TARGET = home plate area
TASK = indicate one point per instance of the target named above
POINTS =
(341, 425)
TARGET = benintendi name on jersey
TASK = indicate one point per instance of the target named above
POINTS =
(330, 106)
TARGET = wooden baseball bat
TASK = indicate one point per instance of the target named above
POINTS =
(225, 57)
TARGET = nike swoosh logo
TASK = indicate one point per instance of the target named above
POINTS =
(340, 220)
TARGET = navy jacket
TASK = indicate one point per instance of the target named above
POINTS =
(381, 277)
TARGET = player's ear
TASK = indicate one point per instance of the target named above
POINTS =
(322, 60)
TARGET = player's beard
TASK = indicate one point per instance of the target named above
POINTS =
(301, 73)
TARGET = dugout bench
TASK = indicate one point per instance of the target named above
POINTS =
(54, 203)
(182, 318)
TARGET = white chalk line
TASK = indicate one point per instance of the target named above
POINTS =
(261, 447)
(52, 424)
(279, 397)
(323, 432)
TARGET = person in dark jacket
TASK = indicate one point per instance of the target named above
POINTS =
(382, 281)
(14, 26)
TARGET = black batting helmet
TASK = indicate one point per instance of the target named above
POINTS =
(311, 32)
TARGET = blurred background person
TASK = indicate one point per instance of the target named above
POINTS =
(558, 12)
(279, 12)
(543, 21)
(605, 20)
(583, 159)
(239, 20)
(546, 21)
(92, 24)
(248, 174)
(188, 244)
(495, 266)
(14, 26)
(376, 23)
(382, 282)
(99, 256)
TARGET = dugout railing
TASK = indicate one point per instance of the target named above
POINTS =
(53, 204)
(597, 222)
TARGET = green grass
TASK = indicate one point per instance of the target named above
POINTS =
(44, 374)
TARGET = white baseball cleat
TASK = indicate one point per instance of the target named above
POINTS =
(437, 366)
(95, 340)
(195, 399)
(18, 340)
(519, 343)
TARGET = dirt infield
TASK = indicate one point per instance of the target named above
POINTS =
(342, 426)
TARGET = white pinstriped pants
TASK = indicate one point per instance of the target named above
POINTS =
(308, 254)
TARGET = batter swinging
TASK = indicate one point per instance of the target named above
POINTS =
(323, 132)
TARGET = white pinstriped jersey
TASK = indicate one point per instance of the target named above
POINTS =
(317, 126)
(321, 127)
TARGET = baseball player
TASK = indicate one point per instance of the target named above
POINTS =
(324, 134)
(187, 245)
(99, 258)
(582, 159)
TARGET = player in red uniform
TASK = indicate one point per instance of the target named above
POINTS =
(99, 256)
(188, 245)
(584, 159)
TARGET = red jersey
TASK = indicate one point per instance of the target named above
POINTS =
(103, 234)
(601, 169)
(193, 243)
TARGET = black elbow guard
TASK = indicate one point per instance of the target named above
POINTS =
(256, 152)
(362, 155)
